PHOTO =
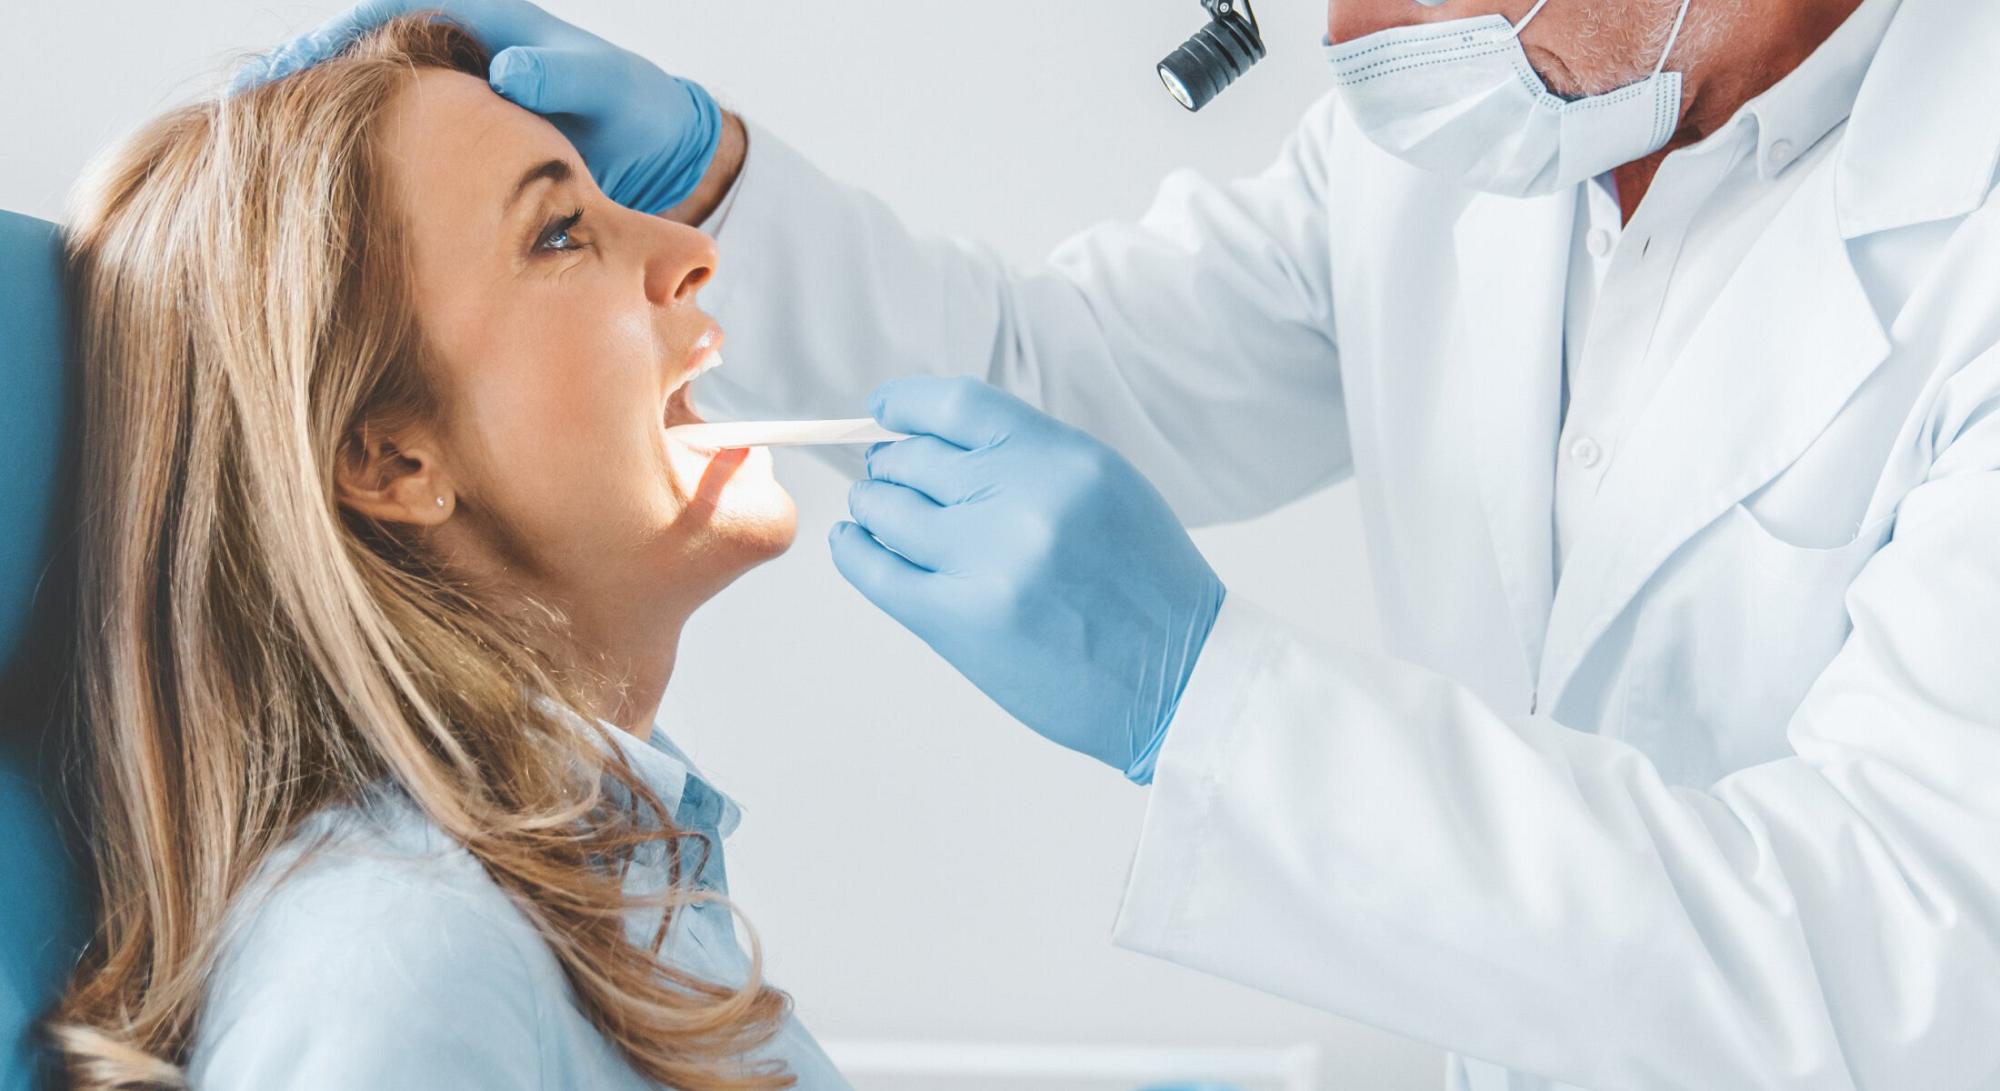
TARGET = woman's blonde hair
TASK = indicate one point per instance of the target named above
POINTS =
(249, 652)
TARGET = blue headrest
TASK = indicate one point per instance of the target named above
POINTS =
(40, 915)
(33, 414)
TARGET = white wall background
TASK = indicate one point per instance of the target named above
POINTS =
(919, 867)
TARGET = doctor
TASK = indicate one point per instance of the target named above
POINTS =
(1674, 401)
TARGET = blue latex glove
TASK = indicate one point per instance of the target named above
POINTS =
(646, 136)
(1036, 560)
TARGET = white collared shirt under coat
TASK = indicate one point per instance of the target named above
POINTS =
(1655, 279)
(1718, 809)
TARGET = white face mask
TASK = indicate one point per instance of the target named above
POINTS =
(1460, 98)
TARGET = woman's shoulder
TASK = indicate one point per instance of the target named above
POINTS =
(372, 945)
(374, 872)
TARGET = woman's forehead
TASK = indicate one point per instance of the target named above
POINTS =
(449, 135)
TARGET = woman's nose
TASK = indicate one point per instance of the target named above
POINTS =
(683, 259)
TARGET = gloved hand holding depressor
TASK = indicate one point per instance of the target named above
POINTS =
(1036, 560)
(646, 136)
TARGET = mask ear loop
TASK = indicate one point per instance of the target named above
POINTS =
(1671, 38)
(1537, 10)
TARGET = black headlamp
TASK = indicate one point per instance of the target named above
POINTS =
(1216, 54)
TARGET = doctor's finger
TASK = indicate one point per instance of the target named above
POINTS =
(496, 23)
(889, 581)
(903, 519)
(548, 81)
(323, 41)
(924, 463)
(960, 410)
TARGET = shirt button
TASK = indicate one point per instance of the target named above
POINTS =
(1779, 153)
(1599, 242)
(1586, 452)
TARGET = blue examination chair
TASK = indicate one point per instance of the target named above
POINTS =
(42, 915)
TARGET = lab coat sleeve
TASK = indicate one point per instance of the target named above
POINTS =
(345, 985)
(1198, 341)
(1367, 836)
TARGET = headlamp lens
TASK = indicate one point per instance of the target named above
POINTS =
(1215, 55)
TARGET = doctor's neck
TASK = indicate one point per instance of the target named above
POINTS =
(1729, 52)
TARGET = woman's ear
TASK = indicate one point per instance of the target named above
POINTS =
(394, 478)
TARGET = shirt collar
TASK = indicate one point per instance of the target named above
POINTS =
(695, 802)
(1804, 106)
(697, 805)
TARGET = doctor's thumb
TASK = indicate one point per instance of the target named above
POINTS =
(547, 81)
(883, 576)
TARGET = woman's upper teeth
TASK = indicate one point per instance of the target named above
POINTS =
(702, 367)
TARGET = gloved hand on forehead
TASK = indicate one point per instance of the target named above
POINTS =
(646, 136)
(1036, 560)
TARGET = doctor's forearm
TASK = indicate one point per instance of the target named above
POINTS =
(1475, 878)
(718, 179)
(1208, 365)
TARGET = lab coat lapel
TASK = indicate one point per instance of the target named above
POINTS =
(1789, 340)
(1513, 264)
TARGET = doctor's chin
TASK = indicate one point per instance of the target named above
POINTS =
(718, 550)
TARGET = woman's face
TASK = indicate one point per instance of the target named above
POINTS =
(565, 331)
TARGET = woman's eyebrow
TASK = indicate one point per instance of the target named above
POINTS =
(553, 170)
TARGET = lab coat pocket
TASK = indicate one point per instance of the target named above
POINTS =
(1809, 565)
(1733, 633)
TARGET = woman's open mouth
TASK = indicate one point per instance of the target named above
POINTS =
(680, 404)
(680, 407)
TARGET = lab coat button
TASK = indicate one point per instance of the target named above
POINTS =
(1586, 452)
(1780, 153)
(1598, 242)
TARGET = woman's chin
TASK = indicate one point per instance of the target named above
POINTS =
(760, 530)
(731, 500)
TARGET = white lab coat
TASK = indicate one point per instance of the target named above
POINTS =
(1722, 809)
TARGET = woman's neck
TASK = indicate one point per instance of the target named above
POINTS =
(621, 648)
(615, 628)
(634, 655)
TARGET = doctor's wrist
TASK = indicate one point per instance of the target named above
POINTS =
(720, 176)
(1140, 770)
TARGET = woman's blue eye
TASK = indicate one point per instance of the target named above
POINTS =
(556, 236)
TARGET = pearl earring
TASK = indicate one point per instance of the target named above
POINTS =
(440, 501)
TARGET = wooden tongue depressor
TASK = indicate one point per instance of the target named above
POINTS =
(782, 433)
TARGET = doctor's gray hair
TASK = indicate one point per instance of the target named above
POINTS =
(249, 652)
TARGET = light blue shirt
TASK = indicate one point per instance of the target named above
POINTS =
(374, 951)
